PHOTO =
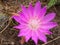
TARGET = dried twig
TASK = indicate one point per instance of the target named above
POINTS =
(6, 26)
(3, 23)
(51, 40)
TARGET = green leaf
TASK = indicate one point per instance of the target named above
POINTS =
(51, 3)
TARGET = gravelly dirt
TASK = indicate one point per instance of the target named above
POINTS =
(8, 35)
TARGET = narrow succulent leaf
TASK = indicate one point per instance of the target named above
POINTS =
(51, 3)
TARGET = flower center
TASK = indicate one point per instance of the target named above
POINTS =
(33, 24)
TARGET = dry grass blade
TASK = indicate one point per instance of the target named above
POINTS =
(51, 40)
(7, 25)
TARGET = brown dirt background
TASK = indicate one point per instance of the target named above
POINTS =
(8, 35)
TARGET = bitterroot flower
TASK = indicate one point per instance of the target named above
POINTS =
(34, 23)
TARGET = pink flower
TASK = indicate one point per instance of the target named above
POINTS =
(34, 23)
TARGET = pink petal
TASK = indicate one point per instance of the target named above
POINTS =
(23, 32)
(20, 18)
(30, 10)
(41, 36)
(34, 37)
(48, 17)
(48, 25)
(42, 12)
(45, 31)
(17, 18)
(20, 27)
(28, 36)
(25, 12)
(37, 8)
